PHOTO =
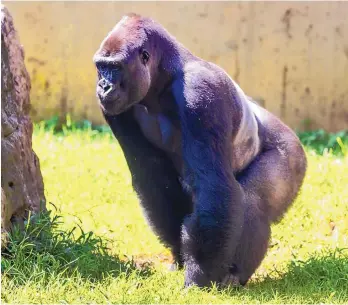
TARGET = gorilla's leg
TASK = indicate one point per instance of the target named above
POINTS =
(155, 180)
(271, 183)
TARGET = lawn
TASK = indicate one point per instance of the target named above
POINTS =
(94, 246)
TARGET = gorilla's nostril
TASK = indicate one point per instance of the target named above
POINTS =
(105, 85)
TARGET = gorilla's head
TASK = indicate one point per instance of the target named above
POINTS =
(126, 62)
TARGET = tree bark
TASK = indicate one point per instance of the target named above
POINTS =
(22, 187)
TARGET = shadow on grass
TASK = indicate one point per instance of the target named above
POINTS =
(321, 278)
(43, 250)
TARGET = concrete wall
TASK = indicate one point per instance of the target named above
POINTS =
(291, 56)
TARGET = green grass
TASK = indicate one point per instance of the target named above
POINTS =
(57, 259)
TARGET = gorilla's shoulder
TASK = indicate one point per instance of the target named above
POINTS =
(202, 77)
(205, 88)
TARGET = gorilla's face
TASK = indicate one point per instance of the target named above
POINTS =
(123, 79)
(124, 61)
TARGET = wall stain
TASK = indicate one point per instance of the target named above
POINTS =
(231, 44)
(309, 30)
(85, 111)
(332, 110)
(284, 85)
(63, 105)
(37, 61)
(287, 21)
(31, 17)
(338, 31)
(33, 74)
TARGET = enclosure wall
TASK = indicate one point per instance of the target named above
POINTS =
(291, 56)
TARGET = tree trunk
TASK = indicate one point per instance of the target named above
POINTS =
(22, 187)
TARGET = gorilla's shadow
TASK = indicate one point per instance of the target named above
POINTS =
(51, 249)
(317, 277)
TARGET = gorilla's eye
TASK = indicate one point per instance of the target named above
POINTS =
(145, 56)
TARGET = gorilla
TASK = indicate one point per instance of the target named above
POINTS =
(212, 169)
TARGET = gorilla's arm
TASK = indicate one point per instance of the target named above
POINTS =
(212, 232)
(154, 179)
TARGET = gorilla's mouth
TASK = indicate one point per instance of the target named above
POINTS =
(111, 107)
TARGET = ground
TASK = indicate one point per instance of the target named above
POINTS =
(88, 187)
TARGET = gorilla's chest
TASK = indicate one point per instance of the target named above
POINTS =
(162, 132)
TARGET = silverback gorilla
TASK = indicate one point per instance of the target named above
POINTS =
(212, 169)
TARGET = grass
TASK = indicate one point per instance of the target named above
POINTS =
(94, 246)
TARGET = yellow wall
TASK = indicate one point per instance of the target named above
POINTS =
(292, 57)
